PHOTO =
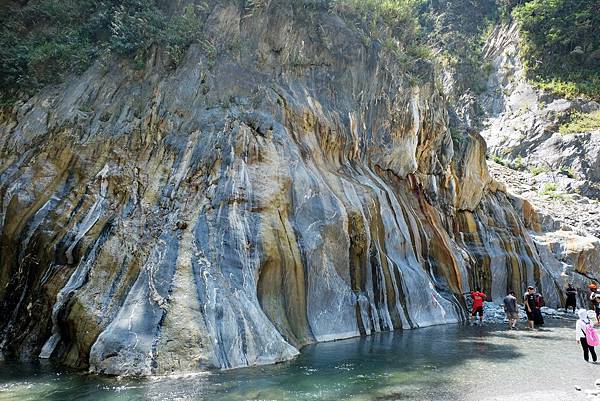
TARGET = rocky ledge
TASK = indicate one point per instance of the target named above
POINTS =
(570, 211)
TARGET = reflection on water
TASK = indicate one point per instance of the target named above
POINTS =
(437, 363)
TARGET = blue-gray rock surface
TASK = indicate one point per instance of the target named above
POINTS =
(301, 187)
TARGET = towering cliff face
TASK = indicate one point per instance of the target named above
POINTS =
(297, 188)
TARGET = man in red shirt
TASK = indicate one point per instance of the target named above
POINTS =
(478, 298)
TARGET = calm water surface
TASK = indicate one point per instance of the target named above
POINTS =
(435, 363)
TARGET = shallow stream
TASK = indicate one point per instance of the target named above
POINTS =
(436, 363)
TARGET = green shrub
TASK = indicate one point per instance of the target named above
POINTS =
(42, 42)
(505, 8)
(457, 137)
(518, 163)
(581, 122)
(536, 170)
(568, 171)
(549, 189)
(398, 15)
(499, 160)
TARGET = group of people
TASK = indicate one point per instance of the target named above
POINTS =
(585, 334)
(532, 300)
(571, 299)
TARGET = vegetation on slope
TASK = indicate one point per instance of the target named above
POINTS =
(561, 45)
(394, 23)
(457, 31)
(45, 40)
(560, 41)
(581, 122)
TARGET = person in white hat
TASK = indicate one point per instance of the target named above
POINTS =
(580, 335)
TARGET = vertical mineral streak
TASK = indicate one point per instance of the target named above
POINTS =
(228, 212)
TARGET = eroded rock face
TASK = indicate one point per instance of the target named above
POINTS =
(564, 230)
(225, 214)
(523, 123)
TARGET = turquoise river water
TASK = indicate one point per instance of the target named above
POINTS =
(436, 363)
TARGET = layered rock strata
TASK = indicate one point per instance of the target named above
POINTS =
(564, 229)
(298, 187)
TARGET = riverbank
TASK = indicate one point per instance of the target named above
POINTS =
(452, 362)
(494, 313)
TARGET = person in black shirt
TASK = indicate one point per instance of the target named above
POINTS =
(530, 306)
(571, 298)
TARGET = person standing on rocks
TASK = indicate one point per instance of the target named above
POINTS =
(596, 302)
(478, 297)
(593, 293)
(511, 310)
(571, 301)
(595, 299)
(530, 306)
(582, 332)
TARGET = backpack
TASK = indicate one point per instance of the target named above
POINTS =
(539, 300)
(591, 336)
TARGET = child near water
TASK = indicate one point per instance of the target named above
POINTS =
(582, 335)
